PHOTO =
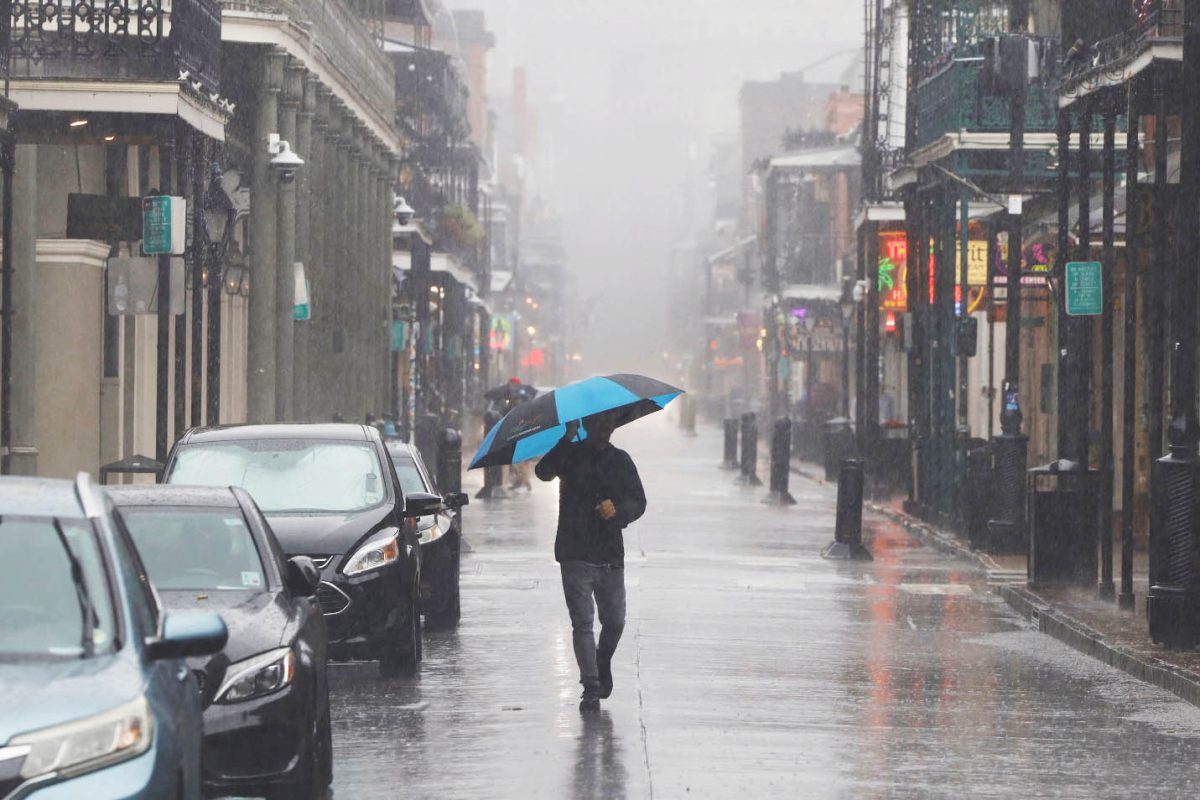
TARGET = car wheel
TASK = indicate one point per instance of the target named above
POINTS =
(442, 612)
(402, 658)
(304, 784)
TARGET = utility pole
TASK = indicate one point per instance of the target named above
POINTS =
(1006, 528)
(1173, 605)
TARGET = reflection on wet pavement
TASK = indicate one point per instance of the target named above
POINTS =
(750, 667)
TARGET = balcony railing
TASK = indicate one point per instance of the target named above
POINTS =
(1155, 20)
(117, 39)
(956, 99)
(342, 36)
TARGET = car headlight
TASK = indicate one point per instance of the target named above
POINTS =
(88, 744)
(376, 553)
(254, 677)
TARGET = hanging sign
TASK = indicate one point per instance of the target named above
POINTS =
(164, 225)
(1085, 290)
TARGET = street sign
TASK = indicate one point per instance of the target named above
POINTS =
(1085, 293)
(301, 310)
(164, 225)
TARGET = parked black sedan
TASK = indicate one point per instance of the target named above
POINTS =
(440, 535)
(329, 492)
(266, 695)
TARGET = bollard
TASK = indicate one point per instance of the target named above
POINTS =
(449, 476)
(749, 463)
(493, 477)
(781, 463)
(688, 414)
(731, 441)
(847, 534)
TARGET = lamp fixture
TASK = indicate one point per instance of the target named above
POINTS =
(78, 122)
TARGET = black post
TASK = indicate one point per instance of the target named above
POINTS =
(847, 533)
(1173, 605)
(781, 463)
(1007, 529)
(1128, 442)
(749, 463)
(200, 269)
(1064, 400)
(845, 368)
(166, 167)
(449, 475)
(181, 326)
(1107, 590)
(1080, 409)
(7, 162)
(731, 444)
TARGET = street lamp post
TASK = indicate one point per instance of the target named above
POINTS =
(846, 304)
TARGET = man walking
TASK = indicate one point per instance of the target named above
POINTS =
(598, 495)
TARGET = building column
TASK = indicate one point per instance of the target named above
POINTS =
(304, 253)
(383, 239)
(340, 264)
(264, 201)
(356, 271)
(23, 460)
(323, 181)
(285, 279)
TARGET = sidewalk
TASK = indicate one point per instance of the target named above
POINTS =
(1074, 616)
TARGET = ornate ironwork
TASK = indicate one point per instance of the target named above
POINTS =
(166, 35)
(1103, 63)
(955, 99)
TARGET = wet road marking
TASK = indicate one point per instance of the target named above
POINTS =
(944, 589)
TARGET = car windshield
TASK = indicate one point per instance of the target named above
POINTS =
(56, 600)
(410, 477)
(288, 475)
(208, 549)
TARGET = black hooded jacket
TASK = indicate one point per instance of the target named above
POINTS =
(588, 476)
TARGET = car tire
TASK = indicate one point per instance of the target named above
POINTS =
(442, 611)
(402, 659)
(304, 784)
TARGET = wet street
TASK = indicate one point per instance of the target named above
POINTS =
(750, 667)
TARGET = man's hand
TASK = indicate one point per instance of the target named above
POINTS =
(606, 509)
(572, 430)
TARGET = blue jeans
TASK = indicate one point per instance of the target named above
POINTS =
(581, 582)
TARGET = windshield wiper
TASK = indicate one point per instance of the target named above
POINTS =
(86, 608)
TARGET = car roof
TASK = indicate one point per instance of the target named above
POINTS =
(48, 497)
(173, 495)
(281, 430)
(400, 448)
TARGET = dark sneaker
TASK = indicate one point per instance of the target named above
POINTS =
(591, 698)
(604, 667)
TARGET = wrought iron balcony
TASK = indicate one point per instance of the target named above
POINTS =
(117, 40)
(343, 37)
(955, 99)
(1104, 63)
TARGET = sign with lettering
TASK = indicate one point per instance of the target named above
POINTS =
(1085, 290)
(164, 225)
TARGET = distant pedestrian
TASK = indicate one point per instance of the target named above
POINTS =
(599, 494)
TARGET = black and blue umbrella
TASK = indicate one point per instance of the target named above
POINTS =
(532, 428)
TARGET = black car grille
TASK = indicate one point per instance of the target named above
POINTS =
(332, 599)
(201, 679)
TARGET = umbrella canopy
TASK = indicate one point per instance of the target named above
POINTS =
(511, 392)
(533, 427)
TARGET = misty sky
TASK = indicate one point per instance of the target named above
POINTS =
(632, 94)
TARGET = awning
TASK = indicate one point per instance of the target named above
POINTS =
(826, 158)
(804, 291)
(501, 279)
(438, 263)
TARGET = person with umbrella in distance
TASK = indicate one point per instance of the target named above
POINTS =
(600, 493)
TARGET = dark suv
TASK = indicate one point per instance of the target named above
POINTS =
(329, 492)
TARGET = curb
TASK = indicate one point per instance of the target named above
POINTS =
(1182, 683)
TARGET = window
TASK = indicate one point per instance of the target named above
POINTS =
(288, 475)
(47, 613)
(196, 549)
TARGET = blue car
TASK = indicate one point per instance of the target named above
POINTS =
(95, 697)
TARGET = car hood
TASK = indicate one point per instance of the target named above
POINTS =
(326, 534)
(257, 621)
(36, 694)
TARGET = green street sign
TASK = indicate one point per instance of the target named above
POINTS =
(1085, 289)
(164, 221)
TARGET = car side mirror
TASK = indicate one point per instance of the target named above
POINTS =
(456, 500)
(302, 577)
(186, 634)
(421, 504)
